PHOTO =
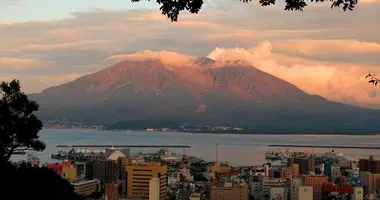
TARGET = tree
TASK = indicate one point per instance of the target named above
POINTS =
(35, 183)
(373, 79)
(19, 127)
(172, 8)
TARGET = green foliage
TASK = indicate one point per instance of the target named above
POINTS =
(172, 8)
(19, 127)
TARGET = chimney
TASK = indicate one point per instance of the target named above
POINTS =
(217, 159)
(266, 170)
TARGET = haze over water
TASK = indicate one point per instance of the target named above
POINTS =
(238, 149)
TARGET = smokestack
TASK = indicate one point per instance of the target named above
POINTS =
(217, 159)
(266, 170)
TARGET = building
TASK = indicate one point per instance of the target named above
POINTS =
(316, 182)
(364, 177)
(112, 191)
(104, 170)
(305, 193)
(70, 173)
(86, 187)
(277, 193)
(373, 181)
(34, 161)
(195, 196)
(154, 189)
(56, 167)
(115, 154)
(370, 165)
(295, 183)
(330, 189)
(274, 173)
(266, 183)
(138, 178)
(358, 193)
(286, 173)
(335, 173)
(327, 170)
(219, 167)
(81, 168)
(254, 183)
(230, 191)
(296, 170)
(306, 165)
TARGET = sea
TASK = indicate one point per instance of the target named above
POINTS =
(239, 150)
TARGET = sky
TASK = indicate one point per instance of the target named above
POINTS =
(322, 51)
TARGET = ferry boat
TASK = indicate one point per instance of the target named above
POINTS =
(279, 155)
(273, 155)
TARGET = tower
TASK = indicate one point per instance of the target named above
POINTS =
(217, 159)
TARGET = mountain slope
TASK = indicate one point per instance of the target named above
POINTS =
(199, 91)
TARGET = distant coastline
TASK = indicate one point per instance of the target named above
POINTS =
(210, 132)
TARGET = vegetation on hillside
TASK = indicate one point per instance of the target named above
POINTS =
(19, 129)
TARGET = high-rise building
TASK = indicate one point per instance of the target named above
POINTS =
(138, 178)
(295, 183)
(327, 169)
(370, 165)
(230, 191)
(296, 170)
(373, 181)
(364, 177)
(316, 182)
(306, 165)
(154, 189)
(104, 170)
(305, 193)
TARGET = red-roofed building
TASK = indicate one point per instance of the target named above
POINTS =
(57, 167)
(330, 188)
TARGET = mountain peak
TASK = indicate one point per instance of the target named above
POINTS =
(166, 57)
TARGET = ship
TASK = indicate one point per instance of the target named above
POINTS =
(279, 155)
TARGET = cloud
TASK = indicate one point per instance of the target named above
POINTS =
(244, 35)
(342, 82)
(369, 1)
(17, 62)
(17, 3)
(166, 57)
(326, 47)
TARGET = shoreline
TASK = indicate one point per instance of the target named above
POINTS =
(218, 133)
